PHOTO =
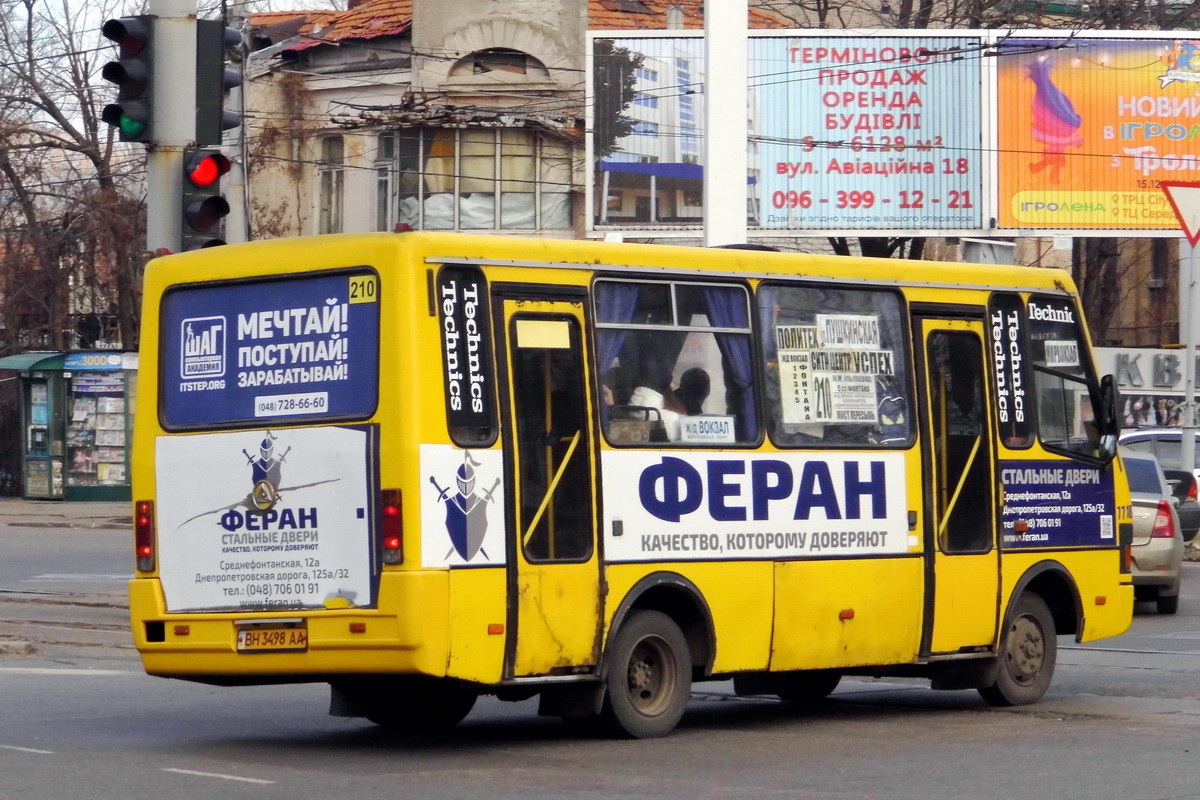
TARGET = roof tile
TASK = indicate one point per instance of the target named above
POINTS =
(373, 18)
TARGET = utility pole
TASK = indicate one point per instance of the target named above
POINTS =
(174, 119)
(725, 107)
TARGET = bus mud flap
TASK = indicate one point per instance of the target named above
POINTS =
(576, 700)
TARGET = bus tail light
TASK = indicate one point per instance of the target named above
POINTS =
(391, 527)
(1164, 525)
(143, 534)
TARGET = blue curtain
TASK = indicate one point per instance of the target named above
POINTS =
(615, 302)
(727, 309)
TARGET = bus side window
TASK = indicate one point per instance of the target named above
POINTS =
(675, 363)
(1061, 378)
(835, 366)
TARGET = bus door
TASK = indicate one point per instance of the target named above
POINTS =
(553, 564)
(963, 572)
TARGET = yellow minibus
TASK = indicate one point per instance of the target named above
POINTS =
(426, 467)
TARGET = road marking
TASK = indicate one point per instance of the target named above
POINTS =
(1131, 650)
(26, 749)
(215, 775)
(79, 577)
(61, 671)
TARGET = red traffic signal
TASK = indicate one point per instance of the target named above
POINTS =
(205, 168)
(203, 205)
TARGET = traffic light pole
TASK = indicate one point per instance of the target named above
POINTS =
(174, 119)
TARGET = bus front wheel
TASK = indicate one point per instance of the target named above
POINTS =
(1028, 652)
(649, 677)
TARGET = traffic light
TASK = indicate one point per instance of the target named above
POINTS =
(203, 206)
(213, 80)
(133, 74)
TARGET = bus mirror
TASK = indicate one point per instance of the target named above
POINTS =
(1106, 418)
(1108, 446)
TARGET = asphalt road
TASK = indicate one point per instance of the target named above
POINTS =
(79, 719)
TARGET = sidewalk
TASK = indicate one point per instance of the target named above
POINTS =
(16, 512)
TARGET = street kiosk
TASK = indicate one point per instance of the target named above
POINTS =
(76, 418)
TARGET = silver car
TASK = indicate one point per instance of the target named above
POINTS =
(1157, 540)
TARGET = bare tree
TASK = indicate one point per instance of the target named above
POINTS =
(70, 198)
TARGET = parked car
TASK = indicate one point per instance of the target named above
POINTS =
(1184, 487)
(1157, 540)
(1163, 443)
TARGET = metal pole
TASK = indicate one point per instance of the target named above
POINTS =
(725, 110)
(1187, 311)
(237, 224)
(174, 123)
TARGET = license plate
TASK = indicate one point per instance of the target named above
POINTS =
(268, 639)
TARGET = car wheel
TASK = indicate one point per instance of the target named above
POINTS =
(649, 677)
(1167, 605)
(1028, 651)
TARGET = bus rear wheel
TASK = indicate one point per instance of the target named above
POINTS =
(649, 677)
(1028, 652)
(809, 687)
(429, 706)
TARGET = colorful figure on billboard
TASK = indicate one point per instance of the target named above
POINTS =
(1055, 122)
(1181, 63)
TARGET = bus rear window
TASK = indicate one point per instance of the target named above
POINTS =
(270, 352)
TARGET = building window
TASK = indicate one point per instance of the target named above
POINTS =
(649, 101)
(473, 179)
(330, 174)
(385, 181)
(646, 74)
(645, 128)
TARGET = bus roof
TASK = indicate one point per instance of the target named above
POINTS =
(303, 254)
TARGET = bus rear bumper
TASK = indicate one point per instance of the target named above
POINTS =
(339, 641)
(1112, 618)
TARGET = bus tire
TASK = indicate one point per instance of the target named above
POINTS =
(649, 677)
(1028, 651)
(809, 687)
(430, 707)
(1167, 605)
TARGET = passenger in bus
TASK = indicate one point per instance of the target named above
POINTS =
(694, 386)
(665, 403)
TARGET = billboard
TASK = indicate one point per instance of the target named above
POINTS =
(867, 133)
(1087, 130)
(958, 132)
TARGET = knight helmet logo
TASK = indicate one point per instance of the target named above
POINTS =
(466, 510)
(265, 473)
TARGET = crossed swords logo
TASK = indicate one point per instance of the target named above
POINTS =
(463, 502)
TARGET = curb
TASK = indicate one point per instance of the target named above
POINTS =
(111, 523)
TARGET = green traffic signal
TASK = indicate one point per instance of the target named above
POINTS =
(132, 113)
